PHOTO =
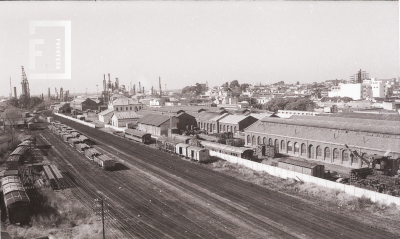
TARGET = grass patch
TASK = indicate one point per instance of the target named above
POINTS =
(59, 217)
(361, 209)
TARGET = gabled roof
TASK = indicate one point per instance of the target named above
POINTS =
(218, 117)
(125, 101)
(106, 112)
(206, 116)
(234, 119)
(126, 115)
(154, 119)
(353, 139)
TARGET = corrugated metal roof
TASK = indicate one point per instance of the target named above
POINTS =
(203, 116)
(233, 119)
(218, 117)
(321, 134)
(153, 119)
(19, 150)
(125, 101)
(106, 112)
(334, 123)
(386, 117)
(261, 116)
(126, 115)
(136, 132)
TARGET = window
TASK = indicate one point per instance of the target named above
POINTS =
(254, 140)
(303, 149)
(126, 108)
(234, 129)
(345, 156)
(131, 108)
(335, 154)
(289, 146)
(296, 148)
(248, 139)
(225, 129)
(283, 145)
(264, 140)
(327, 153)
(270, 141)
(319, 151)
(116, 108)
(121, 108)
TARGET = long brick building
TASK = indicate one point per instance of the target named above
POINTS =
(324, 138)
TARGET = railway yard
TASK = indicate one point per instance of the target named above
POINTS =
(150, 193)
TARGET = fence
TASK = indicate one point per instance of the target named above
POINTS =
(283, 173)
(76, 120)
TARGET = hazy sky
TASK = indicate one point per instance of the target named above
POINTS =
(189, 42)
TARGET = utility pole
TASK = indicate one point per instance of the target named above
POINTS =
(101, 202)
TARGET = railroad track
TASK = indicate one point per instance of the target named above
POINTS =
(262, 209)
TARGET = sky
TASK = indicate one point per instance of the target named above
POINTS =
(186, 43)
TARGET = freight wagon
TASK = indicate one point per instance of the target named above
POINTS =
(199, 154)
(15, 199)
(303, 167)
(181, 149)
(241, 152)
(81, 147)
(73, 141)
(105, 162)
(66, 137)
(90, 153)
(137, 135)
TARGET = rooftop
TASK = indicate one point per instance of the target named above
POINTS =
(126, 115)
(233, 119)
(153, 119)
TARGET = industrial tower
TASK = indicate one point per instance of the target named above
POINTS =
(25, 85)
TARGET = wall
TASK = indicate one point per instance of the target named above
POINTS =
(283, 173)
(76, 120)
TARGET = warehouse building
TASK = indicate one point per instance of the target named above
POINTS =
(84, 104)
(157, 124)
(323, 138)
(121, 119)
(235, 123)
(105, 116)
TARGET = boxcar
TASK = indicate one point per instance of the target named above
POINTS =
(242, 152)
(73, 141)
(199, 154)
(138, 135)
(181, 149)
(303, 167)
(15, 199)
(105, 162)
(20, 153)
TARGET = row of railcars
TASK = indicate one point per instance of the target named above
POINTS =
(242, 152)
(138, 136)
(183, 149)
(16, 200)
(303, 167)
(83, 145)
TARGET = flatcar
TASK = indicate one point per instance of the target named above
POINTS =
(138, 135)
(81, 147)
(90, 153)
(241, 152)
(105, 162)
(15, 199)
(303, 167)
(50, 177)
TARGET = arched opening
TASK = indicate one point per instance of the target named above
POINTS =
(259, 140)
(224, 128)
(319, 151)
(345, 157)
(364, 155)
(248, 139)
(253, 142)
(289, 147)
(276, 145)
(234, 129)
(231, 128)
(265, 140)
(270, 141)
(311, 151)
(327, 153)
(335, 155)
(303, 149)
(283, 145)
(296, 148)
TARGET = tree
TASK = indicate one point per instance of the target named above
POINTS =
(244, 86)
(234, 84)
(10, 117)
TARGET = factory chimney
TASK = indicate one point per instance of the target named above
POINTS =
(134, 89)
(159, 82)
(143, 89)
(15, 92)
(104, 82)
(10, 89)
(139, 87)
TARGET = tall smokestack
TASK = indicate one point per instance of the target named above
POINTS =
(104, 82)
(15, 92)
(140, 88)
(159, 83)
(10, 89)
(143, 89)
(134, 89)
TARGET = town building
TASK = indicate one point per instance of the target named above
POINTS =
(105, 115)
(235, 123)
(157, 124)
(125, 104)
(84, 104)
(121, 119)
(323, 138)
